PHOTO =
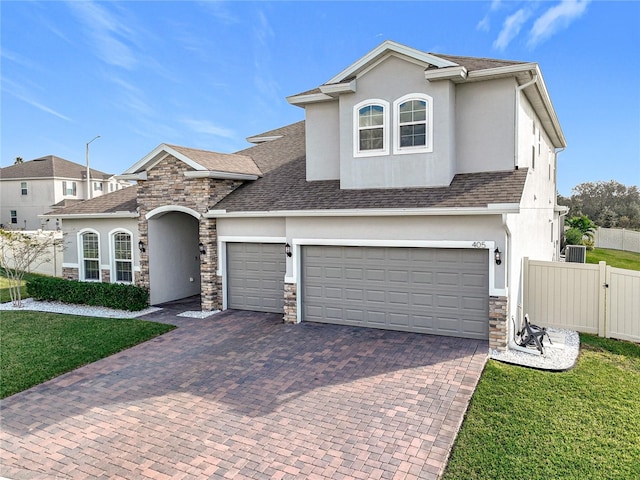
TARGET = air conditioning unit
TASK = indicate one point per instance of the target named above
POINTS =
(576, 253)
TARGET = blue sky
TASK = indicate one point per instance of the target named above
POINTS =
(209, 74)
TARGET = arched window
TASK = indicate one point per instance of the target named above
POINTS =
(413, 130)
(122, 257)
(371, 119)
(90, 249)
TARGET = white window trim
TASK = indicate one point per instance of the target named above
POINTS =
(24, 190)
(81, 272)
(356, 129)
(112, 255)
(397, 149)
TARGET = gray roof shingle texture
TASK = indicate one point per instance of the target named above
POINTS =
(124, 200)
(220, 162)
(48, 167)
(284, 187)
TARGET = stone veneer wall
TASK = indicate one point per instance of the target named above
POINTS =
(70, 273)
(498, 325)
(167, 185)
(290, 303)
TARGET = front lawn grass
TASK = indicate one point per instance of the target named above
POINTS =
(579, 424)
(615, 258)
(38, 346)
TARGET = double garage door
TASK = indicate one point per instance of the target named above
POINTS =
(424, 290)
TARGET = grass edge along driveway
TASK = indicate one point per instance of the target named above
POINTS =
(579, 424)
(38, 346)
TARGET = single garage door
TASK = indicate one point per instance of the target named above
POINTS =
(424, 290)
(255, 276)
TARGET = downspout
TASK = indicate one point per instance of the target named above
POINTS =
(517, 117)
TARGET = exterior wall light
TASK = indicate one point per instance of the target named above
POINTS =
(203, 251)
(498, 256)
(141, 246)
(287, 250)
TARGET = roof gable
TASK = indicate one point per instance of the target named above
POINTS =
(382, 51)
(206, 163)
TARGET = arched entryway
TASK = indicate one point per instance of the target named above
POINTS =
(173, 252)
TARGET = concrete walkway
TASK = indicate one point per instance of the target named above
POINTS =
(242, 395)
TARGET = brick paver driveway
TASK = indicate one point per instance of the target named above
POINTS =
(242, 395)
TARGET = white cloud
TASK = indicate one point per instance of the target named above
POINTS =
(205, 126)
(21, 93)
(556, 18)
(109, 34)
(510, 28)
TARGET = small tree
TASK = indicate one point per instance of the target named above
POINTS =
(18, 161)
(584, 224)
(19, 253)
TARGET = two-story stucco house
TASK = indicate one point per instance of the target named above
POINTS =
(33, 188)
(406, 200)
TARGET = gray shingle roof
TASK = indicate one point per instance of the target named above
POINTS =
(221, 162)
(125, 200)
(48, 167)
(286, 188)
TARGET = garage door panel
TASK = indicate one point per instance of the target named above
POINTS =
(255, 276)
(440, 291)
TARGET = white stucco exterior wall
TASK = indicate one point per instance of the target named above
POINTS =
(103, 227)
(322, 141)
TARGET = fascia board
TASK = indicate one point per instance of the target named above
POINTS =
(148, 158)
(386, 46)
(311, 98)
(456, 74)
(91, 215)
(132, 176)
(492, 209)
(338, 88)
(263, 139)
(157, 155)
(220, 175)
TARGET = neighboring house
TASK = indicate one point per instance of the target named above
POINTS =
(32, 188)
(406, 200)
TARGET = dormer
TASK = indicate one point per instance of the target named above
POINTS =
(386, 121)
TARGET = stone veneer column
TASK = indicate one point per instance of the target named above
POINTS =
(70, 273)
(290, 303)
(498, 331)
(209, 299)
(142, 279)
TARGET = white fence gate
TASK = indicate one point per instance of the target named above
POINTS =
(596, 299)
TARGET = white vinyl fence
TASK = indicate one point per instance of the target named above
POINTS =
(618, 239)
(54, 266)
(596, 299)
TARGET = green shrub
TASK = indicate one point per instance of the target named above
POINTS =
(573, 236)
(111, 295)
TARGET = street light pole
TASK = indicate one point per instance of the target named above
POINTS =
(88, 170)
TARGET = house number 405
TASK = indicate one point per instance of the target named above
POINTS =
(479, 245)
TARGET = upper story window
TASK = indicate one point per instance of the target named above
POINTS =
(371, 120)
(69, 188)
(97, 186)
(90, 256)
(413, 124)
(122, 257)
(23, 188)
